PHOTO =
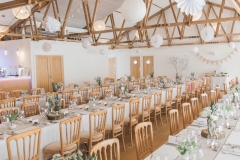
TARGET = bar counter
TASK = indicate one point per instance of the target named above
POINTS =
(15, 83)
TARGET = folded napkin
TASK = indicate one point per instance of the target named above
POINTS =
(172, 140)
(199, 123)
(231, 149)
(3, 136)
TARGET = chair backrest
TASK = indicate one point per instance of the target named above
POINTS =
(194, 86)
(199, 84)
(66, 95)
(70, 133)
(105, 87)
(118, 113)
(225, 88)
(78, 97)
(87, 84)
(95, 94)
(97, 123)
(31, 98)
(51, 94)
(195, 107)
(157, 100)
(96, 89)
(107, 92)
(111, 145)
(10, 102)
(187, 90)
(151, 84)
(142, 84)
(17, 93)
(179, 91)
(134, 109)
(213, 96)
(141, 80)
(187, 114)
(36, 91)
(134, 87)
(29, 148)
(111, 80)
(2, 95)
(208, 81)
(169, 93)
(143, 139)
(204, 100)
(146, 103)
(9, 111)
(30, 109)
(217, 93)
(174, 121)
(84, 94)
(71, 85)
(135, 82)
(107, 80)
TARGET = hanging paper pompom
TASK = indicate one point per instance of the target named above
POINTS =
(190, 6)
(207, 33)
(156, 40)
(86, 44)
(195, 49)
(51, 24)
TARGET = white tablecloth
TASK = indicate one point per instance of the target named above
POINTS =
(219, 80)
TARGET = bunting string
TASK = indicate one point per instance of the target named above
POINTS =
(216, 61)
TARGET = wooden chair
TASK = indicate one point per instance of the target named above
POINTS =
(97, 126)
(31, 98)
(195, 107)
(199, 88)
(26, 149)
(134, 87)
(36, 91)
(6, 103)
(224, 88)
(69, 138)
(51, 94)
(157, 107)
(168, 104)
(66, 97)
(95, 94)
(86, 84)
(105, 87)
(9, 111)
(2, 95)
(96, 89)
(187, 114)
(142, 84)
(151, 84)
(193, 90)
(204, 100)
(141, 80)
(30, 109)
(78, 97)
(132, 120)
(218, 93)
(107, 92)
(101, 150)
(174, 121)
(111, 80)
(17, 93)
(178, 99)
(146, 108)
(71, 85)
(186, 96)
(117, 126)
(213, 96)
(135, 82)
(107, 80)
(144, 139)
(84, 94)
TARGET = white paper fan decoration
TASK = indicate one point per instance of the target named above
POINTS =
(190, 6)
(46, 47)
(207, 33)
(86, 44)
(156, 40)
(51, 24)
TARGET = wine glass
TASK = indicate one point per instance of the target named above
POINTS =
(4, 124)
(155, 157)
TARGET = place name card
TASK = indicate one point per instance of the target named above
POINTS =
(35, 121)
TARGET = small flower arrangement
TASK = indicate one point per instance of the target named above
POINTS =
(54, 103)
(13, 117)
(98, 80)
(92, 99)
(144, 87)
(76, 86)
(123, 88)
(73, 156)
(229, 108)
(152, 74)
(129, 78)
(186, 146)
(24, 93)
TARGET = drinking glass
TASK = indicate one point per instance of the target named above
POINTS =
(155, 157)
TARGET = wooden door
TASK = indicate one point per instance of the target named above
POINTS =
(135, 67)
(48, 69)
(148, 65)
(42, 72)
(112, 67)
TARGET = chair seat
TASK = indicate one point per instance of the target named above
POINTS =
(56, 146)
(109, 127)
(16, 158)
(127, 119)
(86, 135)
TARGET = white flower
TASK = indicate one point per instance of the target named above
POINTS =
(235, 94)
(122, 88)
(213, 117)
(56, 156)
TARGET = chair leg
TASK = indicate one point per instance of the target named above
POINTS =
(155, 119)
(131, 135)
(160, 115)
(123, 140)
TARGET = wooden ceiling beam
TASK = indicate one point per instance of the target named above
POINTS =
(220, 16)
(66, 16)
(14, 4)
(235, 4)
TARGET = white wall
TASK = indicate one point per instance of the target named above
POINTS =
(12, 59)
(162, 54)
(79, 64)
